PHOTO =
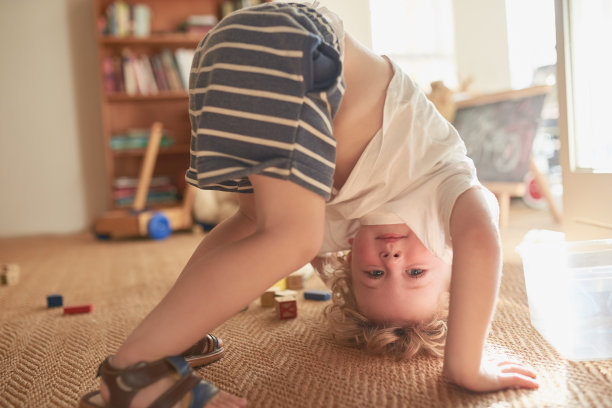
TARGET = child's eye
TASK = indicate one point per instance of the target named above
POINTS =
(416, 273)
(377, 273)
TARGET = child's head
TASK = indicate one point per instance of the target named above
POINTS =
(391, 293)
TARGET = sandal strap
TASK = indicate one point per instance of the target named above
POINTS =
(125, 383)
(210, 340)
(201, 391)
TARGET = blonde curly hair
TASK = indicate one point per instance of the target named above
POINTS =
(349, 327)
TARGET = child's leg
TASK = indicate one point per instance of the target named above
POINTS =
(219, 281)
(238, 226)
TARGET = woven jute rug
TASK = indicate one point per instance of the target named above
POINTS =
(48, 359)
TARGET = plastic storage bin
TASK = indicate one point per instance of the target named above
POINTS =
(569, 290)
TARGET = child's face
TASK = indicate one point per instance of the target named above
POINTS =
(396, 280)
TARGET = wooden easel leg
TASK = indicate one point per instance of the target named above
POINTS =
(504, 209)
(504, 191)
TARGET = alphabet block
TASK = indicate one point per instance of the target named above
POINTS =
(267, 299)
(295, 282)
(286, 307)
(55, 300)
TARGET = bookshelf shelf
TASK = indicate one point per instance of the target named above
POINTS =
(154, 39)
(143, 80)
(156, 61)
(163, 151)
(160, 96)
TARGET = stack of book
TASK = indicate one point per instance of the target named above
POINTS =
(161, 191)
(123, 19)
(137, 139)
(146, 75)
(199, 24)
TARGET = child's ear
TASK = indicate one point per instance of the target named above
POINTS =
(351, 241)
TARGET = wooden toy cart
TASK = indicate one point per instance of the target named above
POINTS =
(139, 221)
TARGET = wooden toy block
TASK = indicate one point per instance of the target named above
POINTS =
(281, 284)
(55, 300)
(295, 282)
(316, 294)
(78, 309)
(9, 274)
(286, 307)
(267, 299)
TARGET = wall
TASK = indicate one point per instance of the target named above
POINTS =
(51, 167)
(356, 17)
(481, 44)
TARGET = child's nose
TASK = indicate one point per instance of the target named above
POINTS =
(390, 255)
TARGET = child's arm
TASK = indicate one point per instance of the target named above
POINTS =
(476, 273)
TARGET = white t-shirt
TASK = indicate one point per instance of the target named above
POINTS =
(411, 172)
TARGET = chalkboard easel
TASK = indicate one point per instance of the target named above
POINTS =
(498, 130)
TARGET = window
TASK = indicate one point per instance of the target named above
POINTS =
(589, 79)
(418, 35)
(531, 40)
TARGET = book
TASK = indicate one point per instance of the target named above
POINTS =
(129, 73)
(109, 82)
(137, 139)
(124, 142)
(152, 198)
(122, 19)
(147, 75)
(118, 73)
(123, 193)
(139, 75)
(202, 20)
(149, 78)
(161, 191)
(141, 21)
(159, 73)
(171, 70)
(132, 182)
(184, 58)
(199, 24)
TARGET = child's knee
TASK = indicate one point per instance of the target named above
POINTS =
(305, 236)
(311, 237)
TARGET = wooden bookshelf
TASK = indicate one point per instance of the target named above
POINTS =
(122, 111)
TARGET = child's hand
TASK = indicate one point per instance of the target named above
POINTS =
(499, 374)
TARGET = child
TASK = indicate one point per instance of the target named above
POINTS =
(265, 90)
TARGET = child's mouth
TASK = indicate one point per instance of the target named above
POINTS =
(391, 237)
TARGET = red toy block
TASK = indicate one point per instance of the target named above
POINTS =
(78, 309)
(286, 307)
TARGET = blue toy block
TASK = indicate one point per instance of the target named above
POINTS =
(55, 301)
(315, 294)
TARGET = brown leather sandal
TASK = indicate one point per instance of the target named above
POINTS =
(124, 384)
(196, 358)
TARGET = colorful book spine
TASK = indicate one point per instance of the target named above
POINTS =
(139, 74)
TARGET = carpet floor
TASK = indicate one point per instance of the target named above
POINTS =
(48, 359)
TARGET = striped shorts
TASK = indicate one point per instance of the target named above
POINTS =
(264, 87)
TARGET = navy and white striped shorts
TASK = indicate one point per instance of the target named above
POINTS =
(265, 85)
